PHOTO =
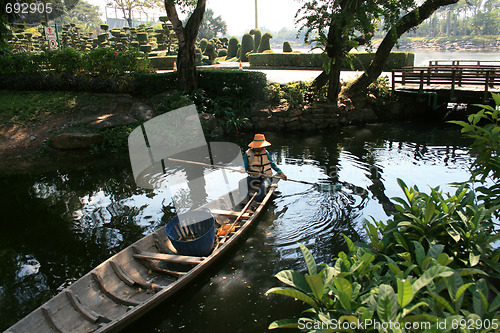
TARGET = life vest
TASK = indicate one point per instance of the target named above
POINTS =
(259, 162)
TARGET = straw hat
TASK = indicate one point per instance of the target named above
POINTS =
(259, 141)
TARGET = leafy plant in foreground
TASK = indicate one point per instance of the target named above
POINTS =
(363, 289)
(484, 128)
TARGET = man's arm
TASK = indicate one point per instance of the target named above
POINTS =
(273, 165)
(245, 161)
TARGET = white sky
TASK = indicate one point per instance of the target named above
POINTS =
(240, 14)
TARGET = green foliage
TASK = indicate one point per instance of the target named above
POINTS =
(210, 51)
(357, 61)
(222, 53)
(247, 44)
(203, 44)
(423, 266)
(287, 48)
(484, 128)
(105, 62)
(265, 42)
(233, 47)
(230, 112)
(257, 36)
(164, 62)
(425, 220)
(293, 94)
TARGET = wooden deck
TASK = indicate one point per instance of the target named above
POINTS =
(454, 78)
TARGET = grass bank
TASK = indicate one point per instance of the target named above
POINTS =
(20, 107)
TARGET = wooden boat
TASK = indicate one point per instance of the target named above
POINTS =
(135, 280)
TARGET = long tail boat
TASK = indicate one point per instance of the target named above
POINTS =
(135, 280)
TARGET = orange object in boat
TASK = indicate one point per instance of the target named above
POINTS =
(224, 229)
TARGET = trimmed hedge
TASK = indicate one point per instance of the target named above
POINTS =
(163, 62)
(360, 60)
(215, 82)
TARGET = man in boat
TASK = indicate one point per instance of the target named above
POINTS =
(259, 165)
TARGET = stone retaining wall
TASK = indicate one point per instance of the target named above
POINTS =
(310, 118)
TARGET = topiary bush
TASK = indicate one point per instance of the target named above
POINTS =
(287, 48)
(257, 36)
(265, 42)
(210, 51)
(203, 44)
(247, 45)
(232, 49)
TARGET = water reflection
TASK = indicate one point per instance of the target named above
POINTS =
(57, 226)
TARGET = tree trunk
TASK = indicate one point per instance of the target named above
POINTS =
(186, 58)
(410, 20)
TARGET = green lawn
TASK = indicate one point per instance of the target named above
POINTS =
(23, 106)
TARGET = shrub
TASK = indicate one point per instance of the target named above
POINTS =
(203, 44)
(163, 62)
(265, 43)
(232, 47)
(287, 48)
(356, 61)
(222, 53)
(257, 36)
(210, 51)
(428, 263)
(247, 45)
(484, 127)
(363, 288)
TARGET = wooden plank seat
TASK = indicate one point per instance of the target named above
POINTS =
(179, 259)
(229, 213)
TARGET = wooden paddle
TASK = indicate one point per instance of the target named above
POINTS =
(243, 171)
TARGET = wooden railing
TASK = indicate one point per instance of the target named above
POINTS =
(453, 76)
(468, 63)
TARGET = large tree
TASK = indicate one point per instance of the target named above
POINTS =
(186, 35)
(342, 25)
(405, 23)
(128, 6)
(212, 26)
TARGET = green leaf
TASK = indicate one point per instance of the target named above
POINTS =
(405, 292)
(286, 323)
(400, 239)
(344, 292)
(429, 275)
(496, 98)
(496, 302)
(315, 282)
(308, 257)
(293, 279)
(416, 306)
(294, 293)
(429, 212)
(419, 252)
(479, 303)
(461, 290)
(421, 318)
(350, 244)
(435, 251)
(474, 259)
(470, 271)
(387, 303)
(442, 301)
(444, 259)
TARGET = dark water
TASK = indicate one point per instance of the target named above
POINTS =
(57, 226)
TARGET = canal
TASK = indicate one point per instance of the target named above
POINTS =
(58, 225)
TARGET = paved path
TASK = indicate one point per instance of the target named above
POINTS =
(284, 76)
